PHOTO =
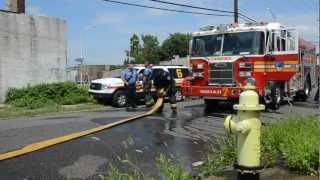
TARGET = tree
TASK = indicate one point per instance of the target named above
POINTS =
(135, 49)
(150, 49)
(175, 44)
(127, 58)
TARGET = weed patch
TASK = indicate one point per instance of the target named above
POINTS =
(171, 171)
(132, 173)
(167, 169)
(33, 97)
(220, 157)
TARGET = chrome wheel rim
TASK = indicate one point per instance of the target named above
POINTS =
(178, 96)
(122, 100)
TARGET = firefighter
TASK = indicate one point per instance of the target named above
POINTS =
(316, 97)
(147, 84)
(163, 80)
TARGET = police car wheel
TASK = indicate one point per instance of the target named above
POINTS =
(179, 96)
(119, 99)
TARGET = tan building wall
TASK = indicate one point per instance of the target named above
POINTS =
(33, 50)
(176, 61)
(89, 72)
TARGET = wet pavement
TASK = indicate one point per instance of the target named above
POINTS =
(185, 137)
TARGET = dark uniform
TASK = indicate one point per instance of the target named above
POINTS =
(147, 84)
(163, 80)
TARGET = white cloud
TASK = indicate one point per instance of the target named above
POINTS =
(306, 24)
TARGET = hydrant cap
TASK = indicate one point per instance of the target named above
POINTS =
(249, 100)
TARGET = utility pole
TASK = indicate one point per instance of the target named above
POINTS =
(319, 64)
(236, 11)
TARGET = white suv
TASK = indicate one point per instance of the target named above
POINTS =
(113, 90)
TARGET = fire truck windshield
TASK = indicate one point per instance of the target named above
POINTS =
(241, 43)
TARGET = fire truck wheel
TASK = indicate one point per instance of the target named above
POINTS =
(119, 99)
(307, 88)
(276, 96)
(303, 95)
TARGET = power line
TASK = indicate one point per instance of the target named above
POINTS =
(240, 17)
(202, 8)
(165, 9)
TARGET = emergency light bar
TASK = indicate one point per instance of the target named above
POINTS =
(233, 25)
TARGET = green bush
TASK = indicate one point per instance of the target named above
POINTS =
(41, 95)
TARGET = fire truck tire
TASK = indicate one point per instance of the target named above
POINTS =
(307, 88)
(119, 99)
(303, 95)
(276, 96)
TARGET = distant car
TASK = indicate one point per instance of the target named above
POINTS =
(113, 90)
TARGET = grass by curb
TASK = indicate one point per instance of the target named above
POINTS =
(9, 112)
(293, 143)
(168, 170)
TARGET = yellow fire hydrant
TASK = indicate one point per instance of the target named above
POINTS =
(247, 128)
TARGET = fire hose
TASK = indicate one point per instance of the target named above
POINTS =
(58, 140)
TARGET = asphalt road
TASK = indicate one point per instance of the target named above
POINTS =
(185, 137)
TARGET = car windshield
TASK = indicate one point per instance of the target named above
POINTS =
(243, 43)
(207, 45)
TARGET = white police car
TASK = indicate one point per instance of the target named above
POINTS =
(113, 90)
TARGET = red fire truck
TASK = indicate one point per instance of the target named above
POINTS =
(223, 58)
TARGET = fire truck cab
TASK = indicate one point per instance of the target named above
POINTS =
(223, 58)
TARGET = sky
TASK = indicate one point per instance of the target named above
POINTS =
(106, 28)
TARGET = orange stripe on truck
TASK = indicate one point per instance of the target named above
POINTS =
(273, 62)
(276, 70)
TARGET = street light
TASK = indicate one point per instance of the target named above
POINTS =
(82, 42)
(80, 64)
(82, 49)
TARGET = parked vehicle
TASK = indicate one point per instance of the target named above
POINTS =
(113, 90)
(223, 58)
